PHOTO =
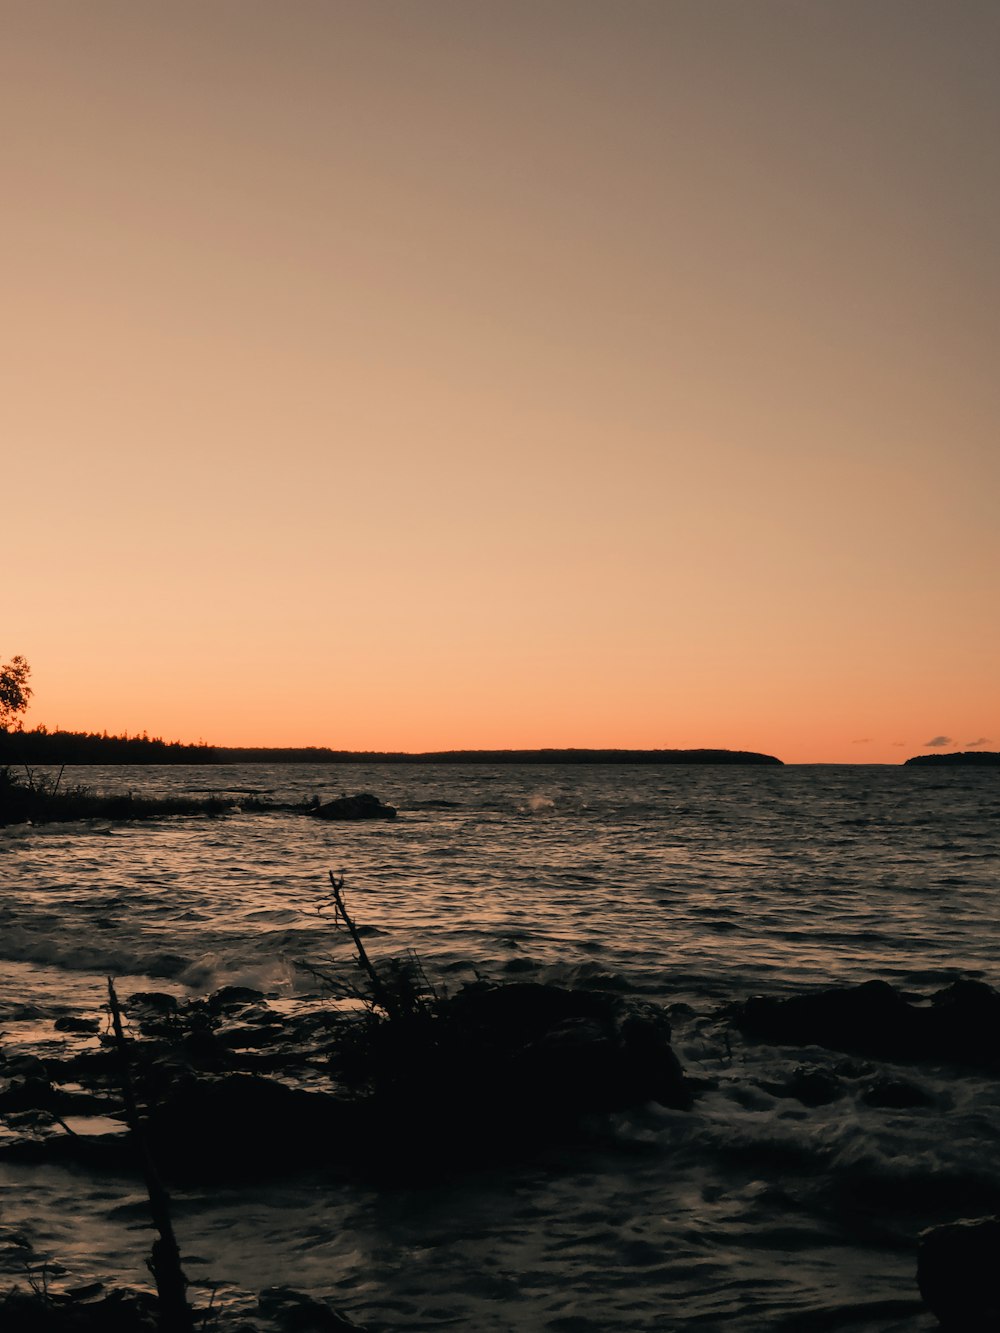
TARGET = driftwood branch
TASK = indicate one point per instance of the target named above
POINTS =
(379, 993)
(165, 1260)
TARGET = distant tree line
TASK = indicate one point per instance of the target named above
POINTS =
(41, 746)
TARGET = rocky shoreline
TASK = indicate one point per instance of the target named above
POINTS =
(409, 1085)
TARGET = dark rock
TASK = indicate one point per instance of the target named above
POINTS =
(566, 1051)
(293, 1312)
(895, 1094)
(247, 1036)
(151, 1002)
(233, 997)
(38, 1094)
(957, 1267)
(71, 1024)
(24, 1066)
(811, 1086)
(241, 1126)
(961, 1024)
(25, 1094)
(523, 1011)
(360, 806)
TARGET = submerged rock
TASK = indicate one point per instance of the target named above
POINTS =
(292, 1311)
(895, 1094)
(360, 806)
(957, 1272)
(810, 1086)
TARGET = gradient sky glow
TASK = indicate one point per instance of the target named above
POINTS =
(440, 374)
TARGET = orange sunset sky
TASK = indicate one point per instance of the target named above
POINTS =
(446, 373)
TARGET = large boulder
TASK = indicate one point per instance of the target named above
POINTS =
(562, 1052)
(363, 805)
(958, 1272)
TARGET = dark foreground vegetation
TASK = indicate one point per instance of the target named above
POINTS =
(37, 798)
(385, 1078)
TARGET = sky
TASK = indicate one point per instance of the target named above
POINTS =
(394, 375)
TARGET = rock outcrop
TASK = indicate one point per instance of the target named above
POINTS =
(959, 1024)
(360, 806)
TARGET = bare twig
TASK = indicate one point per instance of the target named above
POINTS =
(379, 993)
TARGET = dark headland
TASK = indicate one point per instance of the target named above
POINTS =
(40, 746)
(984, 757)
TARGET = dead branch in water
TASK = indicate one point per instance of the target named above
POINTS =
(400, 988)
(165, 1260)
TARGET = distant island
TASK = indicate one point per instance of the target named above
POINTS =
(984, 757)
(40, 746)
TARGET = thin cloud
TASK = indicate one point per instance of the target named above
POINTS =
(937, 742)
(972, 745)
(863, 740)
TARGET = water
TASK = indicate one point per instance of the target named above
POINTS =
(690, 886)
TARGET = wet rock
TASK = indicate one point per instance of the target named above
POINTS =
(24, 1066)
(811, 1086)
(25, 1094)
(957, 1267)
(247, 1036)
(523, 1011)
(233, 997)
(70, 1024)
(293, 1312)
(151, 1002)
(241, 1126)
(960, 1025)
(563, 1051)
(895, 1094)
(363, 805)
(30, 1122)
(39, 1094)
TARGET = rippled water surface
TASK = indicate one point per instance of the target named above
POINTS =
(696, 885)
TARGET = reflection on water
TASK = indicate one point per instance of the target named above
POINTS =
(691, 884)
(702, 881)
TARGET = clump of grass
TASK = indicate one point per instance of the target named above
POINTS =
(39, 799)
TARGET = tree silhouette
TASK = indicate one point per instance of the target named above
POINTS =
(14, 691)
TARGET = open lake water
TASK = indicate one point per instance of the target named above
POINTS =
(690, 886)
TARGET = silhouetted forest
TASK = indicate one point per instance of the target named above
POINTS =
(41, 746)
(959, 757)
